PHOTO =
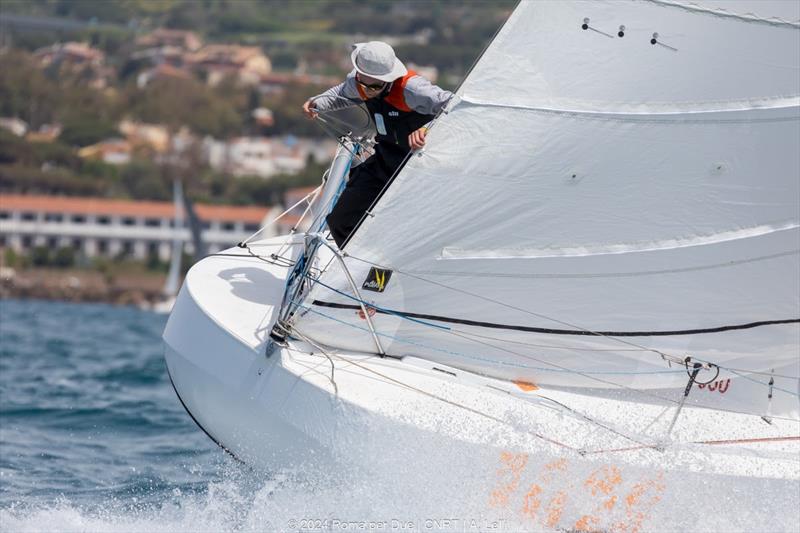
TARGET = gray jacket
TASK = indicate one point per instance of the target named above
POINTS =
(420, 95)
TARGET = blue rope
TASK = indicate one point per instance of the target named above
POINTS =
(395, 313)
(482, 359)
(761, 382)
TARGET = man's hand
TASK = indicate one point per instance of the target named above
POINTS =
(417, 139)
(309, 109)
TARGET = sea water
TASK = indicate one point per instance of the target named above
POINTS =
(94, 439)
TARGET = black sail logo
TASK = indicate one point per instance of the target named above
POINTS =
(377, 279)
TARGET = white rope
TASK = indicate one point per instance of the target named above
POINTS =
(432, 395)
(589, 376)
(274, 220)
(316, 193)
(325, 353)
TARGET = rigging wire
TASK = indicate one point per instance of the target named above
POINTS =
(591, 376)
(550, 346)
(526, 311)
(326, 354)
(277, 261)
(316, 192)
(664, 355)
(275, 220)
(442, 399)
(463, 334)
(330, 127)
(668, 357)
(576, 413)
(761, 382)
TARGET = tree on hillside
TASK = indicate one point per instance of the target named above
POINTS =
(179, 102)
(25, 92)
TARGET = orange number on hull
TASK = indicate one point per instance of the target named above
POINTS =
(604, 486)
(601, 483)
(509, 474)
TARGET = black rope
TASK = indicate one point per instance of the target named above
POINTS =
(555, 331)
(697, 366)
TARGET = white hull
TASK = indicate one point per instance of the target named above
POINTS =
(286, 410)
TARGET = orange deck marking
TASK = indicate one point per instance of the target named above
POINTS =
(526, 386)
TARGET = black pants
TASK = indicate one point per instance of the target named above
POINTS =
(367, 180)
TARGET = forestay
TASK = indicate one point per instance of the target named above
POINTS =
(636, 178)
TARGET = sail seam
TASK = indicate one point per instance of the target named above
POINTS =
(555, 331)
(598, 275)
(451, 253)
(724, 13)
(668, 117)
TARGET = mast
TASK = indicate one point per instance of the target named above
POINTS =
(173, 278)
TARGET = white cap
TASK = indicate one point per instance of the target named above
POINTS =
(376, 59)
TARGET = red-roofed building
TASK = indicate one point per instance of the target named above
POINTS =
(180, 39)
(246, 63)
(162, 72)
(77, 57)
(103, 227)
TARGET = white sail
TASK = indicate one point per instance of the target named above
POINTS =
(173, 278)
(585, 182)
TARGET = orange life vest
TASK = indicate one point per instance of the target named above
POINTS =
(395, 96)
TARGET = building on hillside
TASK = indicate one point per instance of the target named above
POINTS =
(163, 55)
(71, 54)
(164, 50)
(267, 156)
(162, 71)
(15, 125)
(247, 64)
(46, 133)
(153, 136)
(111, 151)
(263, 117)
(280, 82)
(121, 228)
(255, 156)
(429, 72)
(77, 58)
(184, 40)
(184, 150)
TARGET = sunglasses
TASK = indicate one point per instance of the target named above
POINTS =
(372, 87)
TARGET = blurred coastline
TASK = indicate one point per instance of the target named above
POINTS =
(107, 107)
(134, 287)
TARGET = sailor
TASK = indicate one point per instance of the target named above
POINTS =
(401, 103)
